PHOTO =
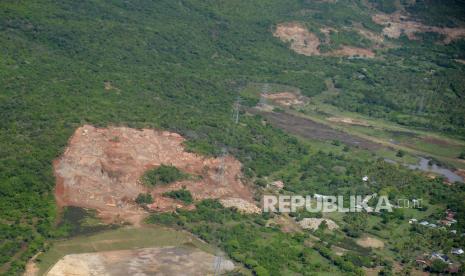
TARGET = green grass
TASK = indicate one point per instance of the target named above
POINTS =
(119, 239)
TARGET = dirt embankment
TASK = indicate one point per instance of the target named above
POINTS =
(101, 168)
(399, 23)
(307, 43)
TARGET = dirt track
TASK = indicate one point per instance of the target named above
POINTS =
(101, 169)
(307, 128)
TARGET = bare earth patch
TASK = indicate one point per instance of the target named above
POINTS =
(306, 43)
(398, 23)
(241, 205)
(147, 261)
(347, 51)
(374, 37)
(460, 172)
(370, 242)
(302, 41)
(285, 98)
(101, 168)
(349, 121)
(286, 224)
(314, 223)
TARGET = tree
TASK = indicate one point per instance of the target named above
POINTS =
(438, 266)
(462, 155)
(144, 199)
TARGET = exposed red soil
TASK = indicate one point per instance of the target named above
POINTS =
(302, 41)
(101, 168)
(399, 23)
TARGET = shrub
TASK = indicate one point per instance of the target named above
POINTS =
(144, 199)
(183, 195)
(164, 174)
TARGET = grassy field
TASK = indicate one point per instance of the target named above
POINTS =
(119, 239)
(394, 137)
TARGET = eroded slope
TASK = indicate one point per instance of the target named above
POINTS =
(101, 169)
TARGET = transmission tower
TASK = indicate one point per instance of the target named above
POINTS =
(265, 91)
(237, 106)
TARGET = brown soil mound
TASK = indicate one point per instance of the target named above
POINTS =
(397, 23)
(101, 169)
(302, 41)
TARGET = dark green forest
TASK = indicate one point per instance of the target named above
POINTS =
(179, 65)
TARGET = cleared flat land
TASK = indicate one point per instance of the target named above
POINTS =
(307, 128)
(120, 239)
(148, 261)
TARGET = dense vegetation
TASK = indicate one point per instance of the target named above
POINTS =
(178, 65)
(144, 199)
(164, 174)
(183, 195)
(266, 251)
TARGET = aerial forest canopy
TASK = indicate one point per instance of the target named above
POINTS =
(187, 66)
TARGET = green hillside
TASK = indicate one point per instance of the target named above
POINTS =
(179, 65)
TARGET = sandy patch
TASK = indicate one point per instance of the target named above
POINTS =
(31, 266)
(349, 121)
(285, 223)
(241, 205)
(370, 242)
(462, 61)
(398, 23)
(302, 41)
(278, 184)
(285, 98)
(148, 261)
(314, 223)
(347, 51)
(374, 37)
(101, 168)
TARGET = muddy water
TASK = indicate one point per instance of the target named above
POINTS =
(424, 166)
